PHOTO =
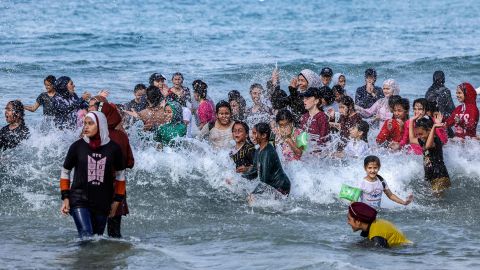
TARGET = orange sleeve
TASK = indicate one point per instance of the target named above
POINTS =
(64, 184)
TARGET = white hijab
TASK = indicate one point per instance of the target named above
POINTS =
(101, 121)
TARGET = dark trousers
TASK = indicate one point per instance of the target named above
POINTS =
(88, 223)
(113, 227)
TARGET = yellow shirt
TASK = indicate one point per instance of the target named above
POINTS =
(387, 230)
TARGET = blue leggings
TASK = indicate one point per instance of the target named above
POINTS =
(88, 223)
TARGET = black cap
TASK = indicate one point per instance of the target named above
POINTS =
(326, 72)
(370, 72)
(311, 92)
(156, 77)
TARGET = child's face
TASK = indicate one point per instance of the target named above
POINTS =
(355, 133)
(372, 169)
(256, 138)
(139, 94)
(338, 96)
(9, 114)
(418, 110)
(48, 86)
(285, 127)
(235, 107)
(399, 112)
(342, 81)
(310, 102)
(196, 96)
(326, 80)
(355, 224)
(256, 95)
(302, 82)
(343, 109)
(460, 95)
(168, 114)
(177, 80)
(422, 133)
(224, 115)
(239, 133)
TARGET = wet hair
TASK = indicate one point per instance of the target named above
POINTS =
(263, 128)
(139, 87)
(348, 101)
(327, 94)
(51, 79)
(155, 77)
(284, 114)
(177, 74)
(338, 89)
(256, 85)
(200, 87)
(234, 94)
(431, 107)
(370, 72)
(393, 100)
(18, 110)
(404, 103)
(154, 96)
(421, 101)
(363, 127)
(424, 122)
(370, 159)
(223, 104)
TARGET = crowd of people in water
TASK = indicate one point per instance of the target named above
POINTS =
(314, 118)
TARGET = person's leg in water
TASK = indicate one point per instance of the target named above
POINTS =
(82, 219)
(99, 222)
(113, 227)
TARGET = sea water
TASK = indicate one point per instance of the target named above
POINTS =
(183, 214)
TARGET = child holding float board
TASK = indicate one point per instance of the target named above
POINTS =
(372, 186)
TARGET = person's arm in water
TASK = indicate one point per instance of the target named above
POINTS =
(32, 108)
(379, 241)
(396, 199)
(411, 132)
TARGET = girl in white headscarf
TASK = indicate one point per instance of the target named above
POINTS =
(380, 108)
(99, 175)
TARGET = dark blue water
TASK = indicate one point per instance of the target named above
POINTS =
(183, 215)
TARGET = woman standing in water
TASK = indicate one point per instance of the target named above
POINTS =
(94, 157)
(16, 131)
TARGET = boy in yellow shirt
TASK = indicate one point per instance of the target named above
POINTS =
(381, 232)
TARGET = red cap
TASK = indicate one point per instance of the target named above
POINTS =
(363, 212)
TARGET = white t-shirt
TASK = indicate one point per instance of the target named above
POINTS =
(372, 192)
(356, 148)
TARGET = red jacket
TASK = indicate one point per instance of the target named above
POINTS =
(464, 118)
(391, 132)
(316, 126)
(119, 137)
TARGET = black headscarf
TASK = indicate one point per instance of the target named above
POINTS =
(61, 86)
(438, 78)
